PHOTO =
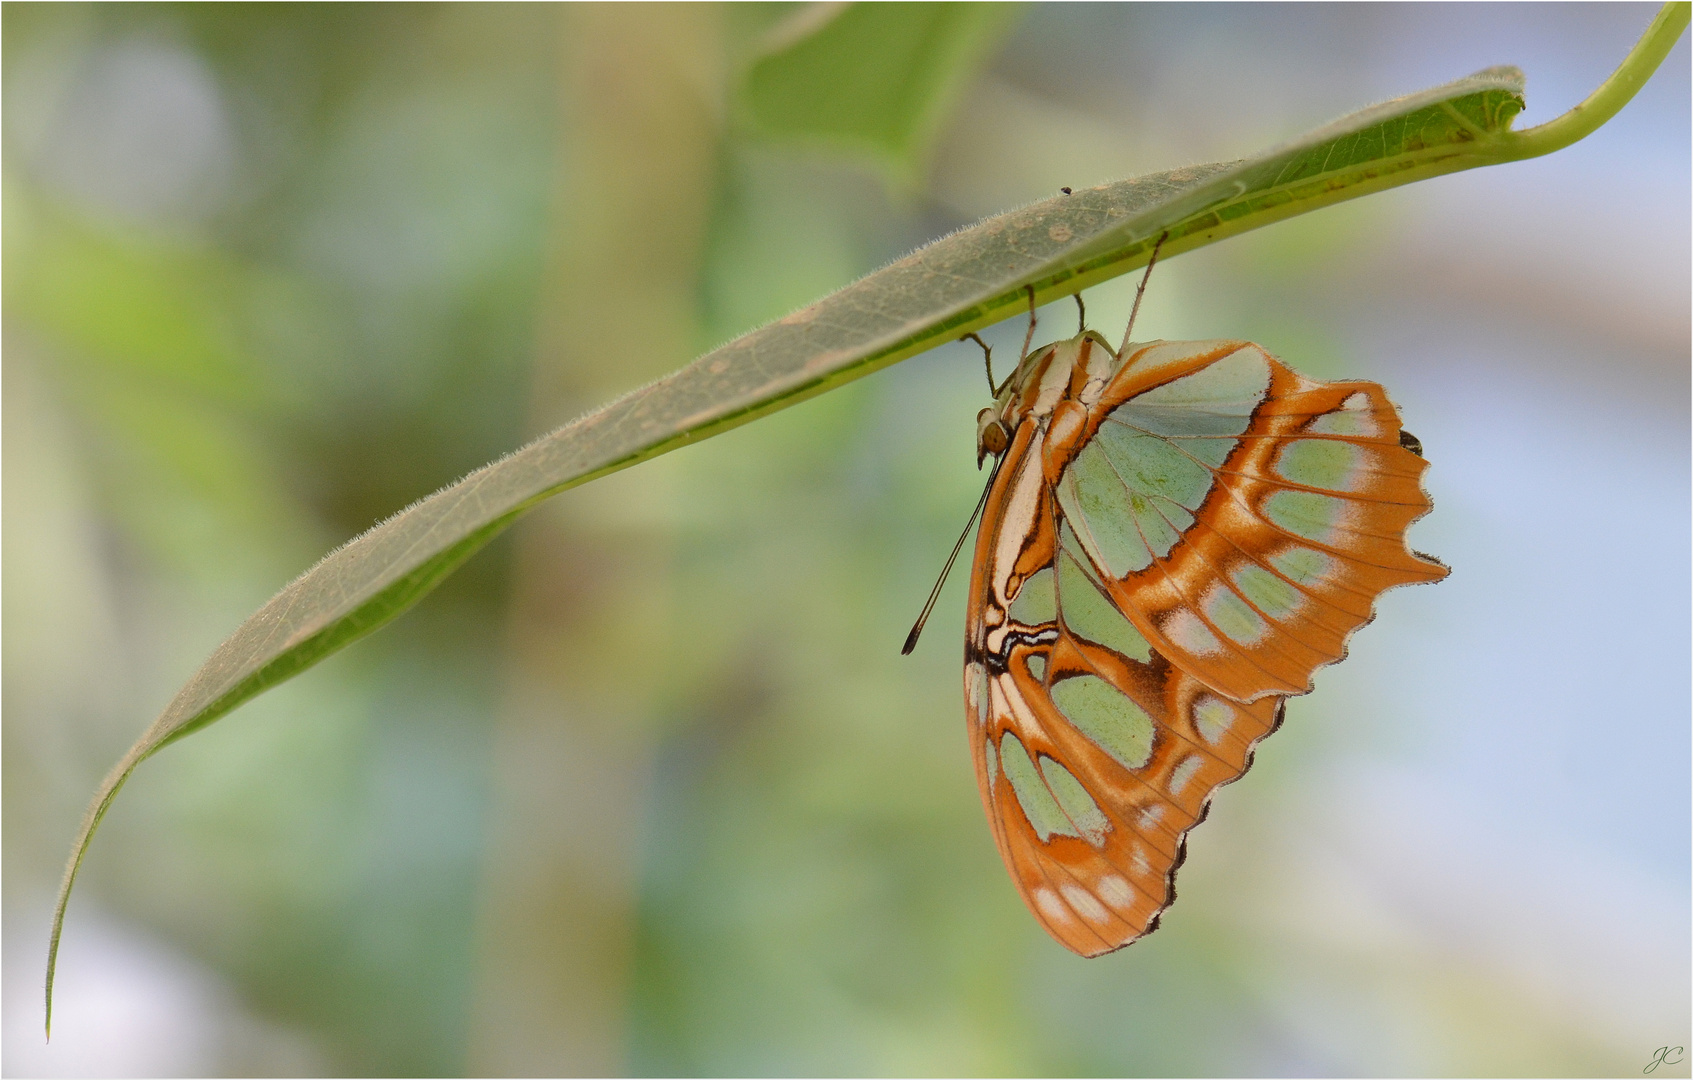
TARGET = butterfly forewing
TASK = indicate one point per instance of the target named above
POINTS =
(1242, 516)
(1170, 546)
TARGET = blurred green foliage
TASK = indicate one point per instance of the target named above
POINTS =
(875, 78)
(330, 329)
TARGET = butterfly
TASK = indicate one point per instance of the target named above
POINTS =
(1175, 536)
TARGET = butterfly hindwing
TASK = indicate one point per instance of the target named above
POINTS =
(1094, 755)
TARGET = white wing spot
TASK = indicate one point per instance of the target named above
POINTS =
(975, 691)
(1151, 815)
(1115, 891)
(1184, 772)
(1083, 901)
(1184, 628)
(1213, 718)
(1052, 907)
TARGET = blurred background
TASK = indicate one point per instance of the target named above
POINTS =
(647, 787)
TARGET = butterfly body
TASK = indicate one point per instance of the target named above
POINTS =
(1172, 542)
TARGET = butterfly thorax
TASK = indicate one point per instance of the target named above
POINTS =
(1052, 389)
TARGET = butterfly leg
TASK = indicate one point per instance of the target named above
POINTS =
(1029, 337)
(987, 359)
(1140, 292)
(1081, 315)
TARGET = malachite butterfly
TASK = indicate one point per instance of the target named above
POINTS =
(1175, 537)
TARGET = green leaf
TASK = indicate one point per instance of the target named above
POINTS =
(876, 79)
(968, 280)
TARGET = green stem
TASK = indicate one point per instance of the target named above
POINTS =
(1612, 94)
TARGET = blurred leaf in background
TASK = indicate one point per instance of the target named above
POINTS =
(273, 275)
(877, 80)
(647, 788)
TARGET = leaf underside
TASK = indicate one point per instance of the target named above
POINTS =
(970, 279)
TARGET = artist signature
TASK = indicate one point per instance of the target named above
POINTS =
(1665, 1055)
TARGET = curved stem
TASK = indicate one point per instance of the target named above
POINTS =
(1612, 94)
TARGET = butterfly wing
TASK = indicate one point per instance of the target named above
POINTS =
(1094, 755)
(1102, 718)
(1243, 516)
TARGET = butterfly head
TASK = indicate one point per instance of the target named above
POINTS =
(992, 436)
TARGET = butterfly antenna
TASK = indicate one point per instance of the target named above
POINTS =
(1140, 292)
(934, 594)
(1081, 315)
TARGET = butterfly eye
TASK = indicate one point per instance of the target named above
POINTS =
(992, 436)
